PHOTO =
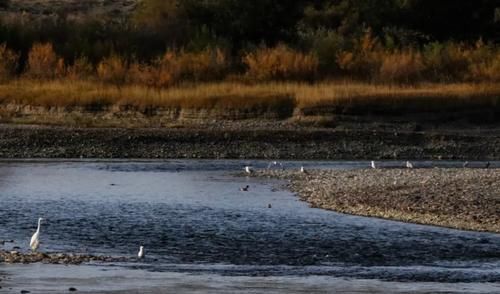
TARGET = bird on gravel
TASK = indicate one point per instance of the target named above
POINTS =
(409, 164)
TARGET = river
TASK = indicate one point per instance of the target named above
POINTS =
(202, 234)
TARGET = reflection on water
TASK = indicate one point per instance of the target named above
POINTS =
(192, 218)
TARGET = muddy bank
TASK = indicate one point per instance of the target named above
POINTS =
(244, 140)
(457, 198)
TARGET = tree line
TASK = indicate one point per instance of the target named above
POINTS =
(358, 38)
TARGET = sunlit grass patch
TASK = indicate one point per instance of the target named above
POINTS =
(343, 96)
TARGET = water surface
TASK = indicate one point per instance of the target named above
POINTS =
(192, 219)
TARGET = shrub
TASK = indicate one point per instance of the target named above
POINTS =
(113, 69)
(365, 59)
(280, 63)
(8, 63)
(81, 69)
(43, 62)
(446, 62)
(326, 45)
(484, 62)
(203, 66)
(174, 67)
(147, 75)
(488, 70)
(401, 67)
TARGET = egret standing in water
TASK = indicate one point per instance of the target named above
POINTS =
(373, 165)
(35, 239)
(248, 169)
(141, 252)
(409, 164)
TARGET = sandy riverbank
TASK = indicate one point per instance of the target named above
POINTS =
(457, 198)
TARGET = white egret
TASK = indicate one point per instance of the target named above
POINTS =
(373, 165)
(409, 164)
(248, 170)
(35, 239)
(302, 169)
(141, 252)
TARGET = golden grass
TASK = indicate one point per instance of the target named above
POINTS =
(231, 95)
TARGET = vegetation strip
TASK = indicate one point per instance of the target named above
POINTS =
(26, 100)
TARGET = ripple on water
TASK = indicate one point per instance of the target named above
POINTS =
(195, 219)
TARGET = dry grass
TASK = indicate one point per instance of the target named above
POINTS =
(228, 95)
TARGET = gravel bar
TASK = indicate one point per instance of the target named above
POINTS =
(14, 257)
(466, 198)
(243, 143)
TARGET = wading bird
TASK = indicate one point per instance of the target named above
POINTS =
(409, 164)
(466, 164)
(141, 252)
(35, 239)
(248, 170)
(245, 189)
(373, 165)
(275, 163)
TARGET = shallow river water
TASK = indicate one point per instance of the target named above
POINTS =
(202, 234)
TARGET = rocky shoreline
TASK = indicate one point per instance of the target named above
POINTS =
(467, 198)
(245, 140)
(13, 257)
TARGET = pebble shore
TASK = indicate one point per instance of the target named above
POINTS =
(13, 257)
(244, 141)
(467, 198)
